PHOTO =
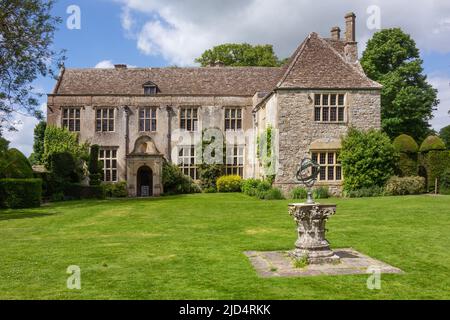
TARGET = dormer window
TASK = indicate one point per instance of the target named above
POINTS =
(150, 88)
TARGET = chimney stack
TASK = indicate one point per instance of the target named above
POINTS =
(351, 46)
(350, 35)
(336, 33)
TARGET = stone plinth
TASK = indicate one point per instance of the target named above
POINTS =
(311, 243)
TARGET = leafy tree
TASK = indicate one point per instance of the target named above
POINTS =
(37, 157)
(26, 38)
(241, 54)
(407, 99)
(368, 159)
(445, 135)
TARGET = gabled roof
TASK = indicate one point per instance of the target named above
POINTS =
(232, 81)
(320, 64)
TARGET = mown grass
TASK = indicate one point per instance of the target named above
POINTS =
(191, 247)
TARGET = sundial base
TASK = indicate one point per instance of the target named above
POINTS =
(311, 244)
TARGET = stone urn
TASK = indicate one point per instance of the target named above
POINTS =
(311, 243)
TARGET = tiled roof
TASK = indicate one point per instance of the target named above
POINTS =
(317, 63)
(183, 81)
(320, 63)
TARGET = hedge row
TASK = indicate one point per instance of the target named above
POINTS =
(20, 193)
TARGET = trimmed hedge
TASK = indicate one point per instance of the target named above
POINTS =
(76, 191)
(407, 165)
(18, 166)
(432, 143)
(20, 193)
(230, 183)
(406, 144)
(399, 186)
(444, 186)
(435, 163)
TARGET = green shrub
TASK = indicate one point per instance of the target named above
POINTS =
(116, 190)
(407, 165)
(16, 166)
(208, 175)
(94, 172)
(444, 185)
(432, 143)
(321, 193)
(398, 186)
(63, 166)
(229, 184)
(406, 144)
(20, 193)
(436, 162)
(249, 186)
(368, 159)
(270, 194)
(374, 191)
(77, 191)
(299, 193)
(175, 182)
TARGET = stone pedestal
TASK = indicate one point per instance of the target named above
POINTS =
(311, 242)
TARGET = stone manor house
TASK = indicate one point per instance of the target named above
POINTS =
(138, 115)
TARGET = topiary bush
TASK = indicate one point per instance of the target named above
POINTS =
(444, 185)
(20, 193)
(299, 193)
(368, 159)
(435, 163)
(432, 143)
(16, 166)
(230, 183)
(406, 144)
(398, 186)
(116, 190)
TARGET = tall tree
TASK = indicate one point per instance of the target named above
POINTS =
(240, 54)
(407, 99)
(37, 157)
(445, 135)
(26, 37)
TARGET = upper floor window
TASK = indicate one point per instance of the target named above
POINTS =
(329, 107)
(108, 157)
(233, 118)
(150, 88)
(330, 166)
(189, 119)
(71, 119)
(147, 119)
(104, 119)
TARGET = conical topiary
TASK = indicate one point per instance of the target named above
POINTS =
(432, 143)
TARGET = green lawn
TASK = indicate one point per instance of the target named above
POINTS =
(190, 247)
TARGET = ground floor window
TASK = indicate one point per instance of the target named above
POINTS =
(186, 161)
(108, 158)
(235, 160)
(330, 166)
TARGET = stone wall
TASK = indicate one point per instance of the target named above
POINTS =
(297, 128)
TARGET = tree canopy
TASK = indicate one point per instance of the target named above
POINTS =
(407, 99)
(26, 38)
(240, 54)
(37, 157)
(444, 133)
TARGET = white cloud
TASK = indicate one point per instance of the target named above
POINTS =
(180, 30)
(441, 116)
(104, 64)
(23, 138)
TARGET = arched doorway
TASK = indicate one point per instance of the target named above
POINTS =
(144, 182)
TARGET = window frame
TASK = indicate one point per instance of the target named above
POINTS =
(108, 119)
(327, 106)
(192, 122)
(233, 120)
(76, 118)
(152, 121)
(237, 154)
(188, 167)
(112, 171)
(325, 167)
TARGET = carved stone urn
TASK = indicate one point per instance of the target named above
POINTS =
(311, 243)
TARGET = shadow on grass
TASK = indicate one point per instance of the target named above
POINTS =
(22, 214)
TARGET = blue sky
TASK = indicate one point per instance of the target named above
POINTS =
(174, 32)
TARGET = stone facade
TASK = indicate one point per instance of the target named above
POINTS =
(281, 97)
